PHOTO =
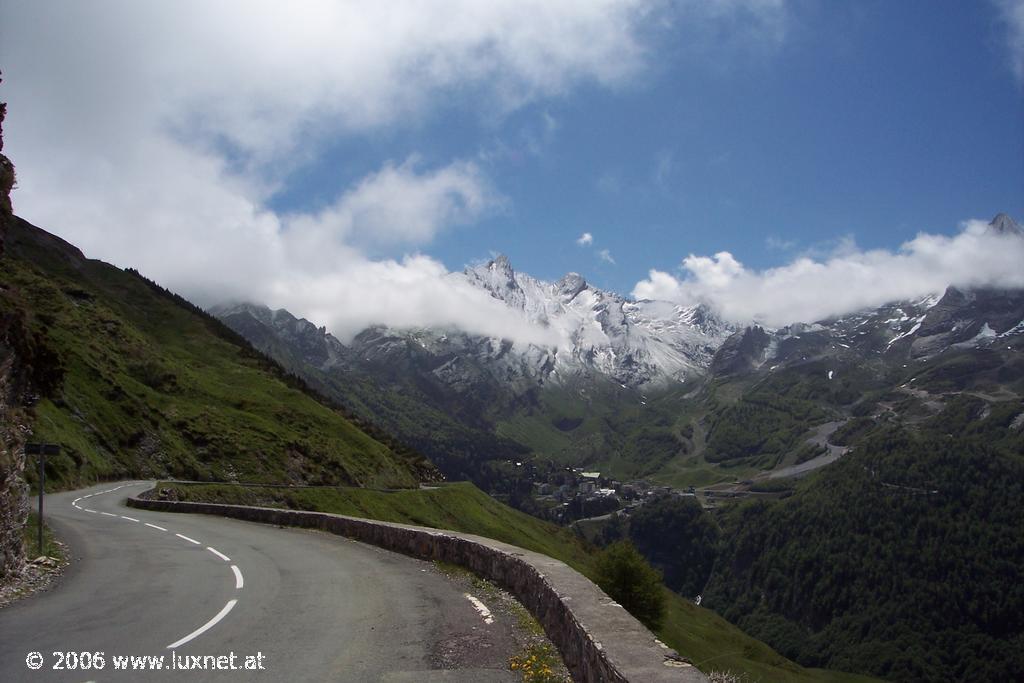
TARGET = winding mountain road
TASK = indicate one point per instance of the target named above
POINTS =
(303, 605)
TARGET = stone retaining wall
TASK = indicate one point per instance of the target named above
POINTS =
(599, 641)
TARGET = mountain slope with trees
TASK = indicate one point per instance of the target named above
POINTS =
(905, 559)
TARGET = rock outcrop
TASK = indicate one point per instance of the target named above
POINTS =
(13, 491)
(6, 181)
(742, 352)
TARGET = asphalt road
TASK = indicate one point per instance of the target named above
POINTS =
(305, 605)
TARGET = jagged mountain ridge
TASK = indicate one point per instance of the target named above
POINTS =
(640, 344)
(464, 399)
(894, 333)
(633, 342)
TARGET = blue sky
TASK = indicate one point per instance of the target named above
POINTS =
(869, 120)
(341, 159)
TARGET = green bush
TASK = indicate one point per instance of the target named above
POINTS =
(624, 575)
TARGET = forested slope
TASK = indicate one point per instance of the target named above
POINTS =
(903, 560)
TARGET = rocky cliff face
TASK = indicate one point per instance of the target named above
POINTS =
(13, 491)
(742, 352)
(6, 181)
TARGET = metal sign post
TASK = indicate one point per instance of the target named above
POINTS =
(41, 450)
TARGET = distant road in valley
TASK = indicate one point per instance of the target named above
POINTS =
(315, 606)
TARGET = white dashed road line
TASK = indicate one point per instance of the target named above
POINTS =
(219, 554)
(205, 627)
(239, 581)
(481, 608)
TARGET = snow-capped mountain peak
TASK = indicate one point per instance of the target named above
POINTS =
(570, 285)
(633, 342)
(498, 278)
(646, 343)
(1002, 224)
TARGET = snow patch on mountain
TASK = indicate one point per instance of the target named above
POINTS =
(633, 342)
(596, 334)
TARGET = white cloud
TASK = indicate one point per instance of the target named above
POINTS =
(396, 205)
(585, 239)
(153, 135)
(606, 256)
(259, 75)
(1012, 14)
(414, 292)
(807, 290)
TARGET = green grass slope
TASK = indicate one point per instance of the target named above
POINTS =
(396, 402)
(141, 383)
(456, 506)
(624, 433)
(699, 634)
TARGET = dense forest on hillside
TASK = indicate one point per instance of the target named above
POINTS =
(761, 427)
(675, 535)
(903, 560)
(770, 419)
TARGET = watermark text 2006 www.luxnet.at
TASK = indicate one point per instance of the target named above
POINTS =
(97, 661)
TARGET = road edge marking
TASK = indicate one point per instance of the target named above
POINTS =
(219, 554)
(480, 607)
(205, 627)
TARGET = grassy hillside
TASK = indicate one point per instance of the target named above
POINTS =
(624, 433)
(699, 634)
(457, 506)
(459, 451)
(396, 398)
(140, 383)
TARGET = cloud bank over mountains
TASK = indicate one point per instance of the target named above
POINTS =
(154, 135)
(807, 290)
